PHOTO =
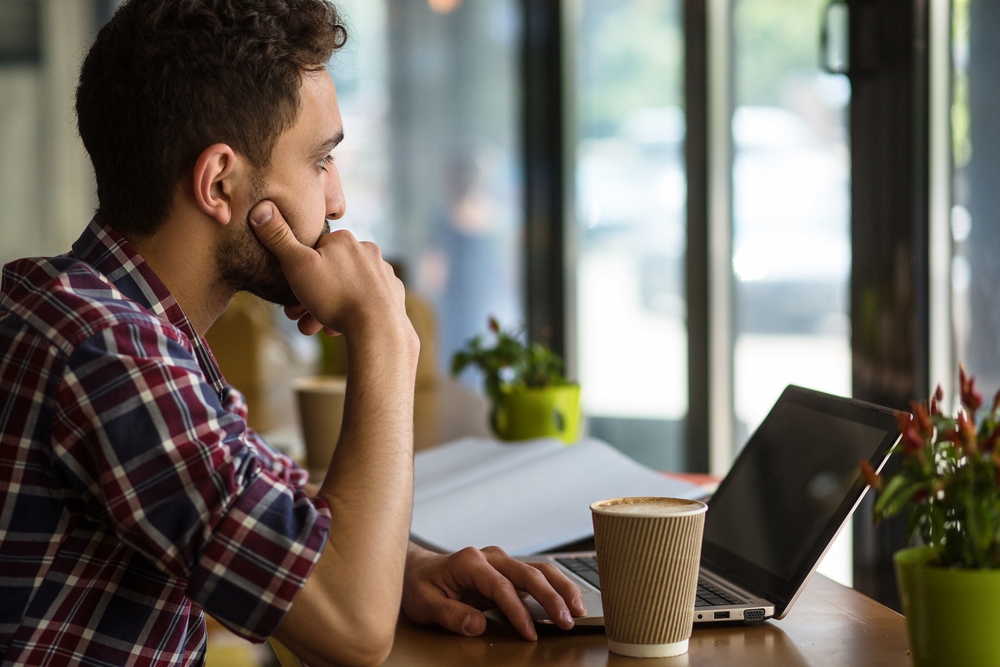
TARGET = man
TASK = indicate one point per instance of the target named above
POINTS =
(132, 494)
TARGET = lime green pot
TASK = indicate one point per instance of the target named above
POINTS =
(953, 615)
(523, 413)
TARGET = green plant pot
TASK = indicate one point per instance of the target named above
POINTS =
(953, 615)
(527, 412)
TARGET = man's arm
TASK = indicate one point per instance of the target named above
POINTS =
(346, 612)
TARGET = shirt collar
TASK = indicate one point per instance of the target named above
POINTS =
(110, 253)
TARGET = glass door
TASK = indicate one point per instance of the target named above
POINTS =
(430, 163)
(630, 210)
(791, 217)
(975, 272)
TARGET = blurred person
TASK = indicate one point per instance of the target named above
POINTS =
(132, 494)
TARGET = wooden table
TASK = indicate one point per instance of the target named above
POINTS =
(829, 626)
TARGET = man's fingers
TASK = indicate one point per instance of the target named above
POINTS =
(501, 590)
(569, 591)
(306, 322)
(309, 325)
(458, 617)
(535, 582)
(274, 233)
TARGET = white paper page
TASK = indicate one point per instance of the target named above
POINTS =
(465, 462)
(534, 507)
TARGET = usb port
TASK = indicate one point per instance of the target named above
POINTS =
(721, 614)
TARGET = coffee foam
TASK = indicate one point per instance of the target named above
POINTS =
(649, 506)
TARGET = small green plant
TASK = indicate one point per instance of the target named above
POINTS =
(949, 479)
(509, 363)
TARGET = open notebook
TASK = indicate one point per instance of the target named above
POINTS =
(525, 497)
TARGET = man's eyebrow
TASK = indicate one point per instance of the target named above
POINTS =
(328, 145)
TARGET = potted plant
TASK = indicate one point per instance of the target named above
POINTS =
(949, 480)
(530, 397)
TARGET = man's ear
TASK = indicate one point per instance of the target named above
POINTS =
(213, 187)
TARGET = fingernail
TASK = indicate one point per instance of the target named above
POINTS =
(469, 626)
(566, 617)
(581, 609)
(262, 214)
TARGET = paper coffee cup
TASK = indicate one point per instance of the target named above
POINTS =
(321, 410)
(648, 552)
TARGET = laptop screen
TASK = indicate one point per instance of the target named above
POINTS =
(791, 488)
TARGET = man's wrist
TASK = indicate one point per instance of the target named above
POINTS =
(375, 343)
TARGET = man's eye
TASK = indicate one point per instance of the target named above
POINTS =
(324, 161)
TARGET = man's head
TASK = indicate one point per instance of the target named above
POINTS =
(168, 81)
(165, 79)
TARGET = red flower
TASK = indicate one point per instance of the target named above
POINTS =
(922, 418)
(912, 441)
(871, 478)
(493, 325)
(966, 432)
(991, 440)
(936, 399)
(903, 420)
(971, 398)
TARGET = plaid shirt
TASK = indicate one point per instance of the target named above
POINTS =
(130, 485)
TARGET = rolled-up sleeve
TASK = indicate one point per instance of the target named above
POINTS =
(280, 464)
(151, 451)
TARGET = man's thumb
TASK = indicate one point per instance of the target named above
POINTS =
(273, 231)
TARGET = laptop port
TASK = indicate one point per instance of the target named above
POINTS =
(753, 615)
(721, 614)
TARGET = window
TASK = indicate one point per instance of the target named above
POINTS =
(630, 212)
(430, 161)
(791, 217)
(975, 271)
(46, 182)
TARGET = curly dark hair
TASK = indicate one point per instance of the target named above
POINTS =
(165, 79)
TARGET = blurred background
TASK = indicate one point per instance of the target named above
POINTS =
(697, 202)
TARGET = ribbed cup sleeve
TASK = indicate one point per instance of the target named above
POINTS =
(649, 575)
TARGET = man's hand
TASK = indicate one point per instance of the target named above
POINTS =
(441, 588)
(343, 285)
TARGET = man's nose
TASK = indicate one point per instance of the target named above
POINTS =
(335, 203)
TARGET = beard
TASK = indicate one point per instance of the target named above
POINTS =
(245, 265)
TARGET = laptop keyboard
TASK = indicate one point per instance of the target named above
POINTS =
(713, 596)
(585, 567)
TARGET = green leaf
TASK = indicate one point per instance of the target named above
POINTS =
(918, 524)
(902, 498)
(898, 489)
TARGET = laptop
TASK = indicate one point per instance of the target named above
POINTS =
(786, 498)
